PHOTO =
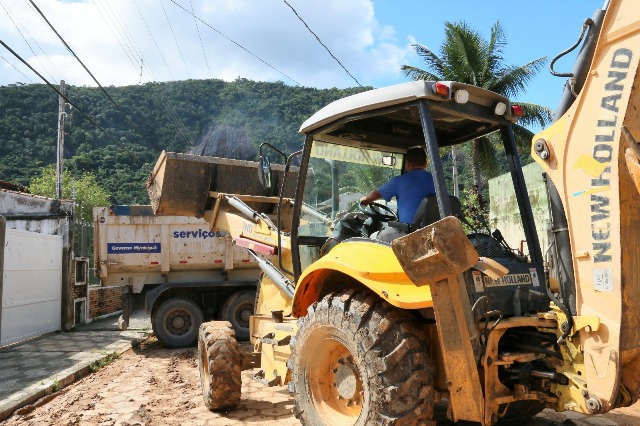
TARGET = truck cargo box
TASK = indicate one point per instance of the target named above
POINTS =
(180, 183)
(134, 247)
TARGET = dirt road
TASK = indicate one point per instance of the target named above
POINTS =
(154, 386)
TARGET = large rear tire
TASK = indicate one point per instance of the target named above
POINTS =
(220, 365)
(357, 360)
(237, 309)
(176, 322)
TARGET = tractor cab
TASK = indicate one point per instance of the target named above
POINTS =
(356, 144)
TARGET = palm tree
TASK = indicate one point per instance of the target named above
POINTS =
(467, 57)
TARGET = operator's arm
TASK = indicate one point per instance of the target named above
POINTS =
(371, 197)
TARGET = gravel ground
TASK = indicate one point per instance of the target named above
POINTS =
(152, 385)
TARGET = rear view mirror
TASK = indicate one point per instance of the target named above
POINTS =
(264, 172)
(389, 160)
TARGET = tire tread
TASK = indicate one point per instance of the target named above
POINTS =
(221, 383)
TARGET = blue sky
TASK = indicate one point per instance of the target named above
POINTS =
(264, 40)
(534, 28)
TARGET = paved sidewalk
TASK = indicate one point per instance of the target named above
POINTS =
(41, 366)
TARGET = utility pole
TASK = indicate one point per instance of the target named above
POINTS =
(61, 106)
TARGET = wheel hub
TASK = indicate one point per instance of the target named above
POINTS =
(346, 381)
(178, 322)
(245, 315)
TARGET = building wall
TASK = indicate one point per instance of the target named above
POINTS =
(32, 213)
(104, 300)
(504, 213)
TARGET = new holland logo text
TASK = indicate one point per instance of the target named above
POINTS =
(603, 153)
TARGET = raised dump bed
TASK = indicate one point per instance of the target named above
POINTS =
(180, 183)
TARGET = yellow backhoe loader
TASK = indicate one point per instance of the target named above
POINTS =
(366, 331)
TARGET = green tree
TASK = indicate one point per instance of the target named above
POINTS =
(467, 57)
(88, 194)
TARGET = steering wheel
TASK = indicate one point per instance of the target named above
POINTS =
(377, 211)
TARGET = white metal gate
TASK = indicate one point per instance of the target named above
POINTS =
(32, 286)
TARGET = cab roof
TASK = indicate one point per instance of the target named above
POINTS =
(390, 116)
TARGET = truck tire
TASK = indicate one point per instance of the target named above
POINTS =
(237, 309)
(175, 323)
(220, 365)
(357, 360)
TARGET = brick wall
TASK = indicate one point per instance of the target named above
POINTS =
(104, 300)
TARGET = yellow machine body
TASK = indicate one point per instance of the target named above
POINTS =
(588, 167)
(350, 262)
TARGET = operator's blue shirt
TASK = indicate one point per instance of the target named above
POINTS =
(409, 188)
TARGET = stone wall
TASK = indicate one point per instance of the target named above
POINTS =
(104, 300)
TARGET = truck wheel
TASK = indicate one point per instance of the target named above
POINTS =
(219, 364)
(175, 323)
(237, 309)
(357, 360)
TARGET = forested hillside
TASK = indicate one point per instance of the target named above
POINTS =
(210, 117)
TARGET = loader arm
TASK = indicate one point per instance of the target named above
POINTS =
(583, 153)
(258, 234)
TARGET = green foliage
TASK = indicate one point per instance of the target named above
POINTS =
(173, 116)
(84, 187)
(55, 386)
(467, 57)
(475, 210)
(106, 360)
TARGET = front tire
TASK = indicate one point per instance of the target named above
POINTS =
(176, 322)
(220, 365)
(357, 360)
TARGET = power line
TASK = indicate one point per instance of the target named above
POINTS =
(14, 67)
(89, 72)
(26, 41)
(113, 30)
(204, 53)
(125, 31)
(135, 50)
(237, 44)
(167, 105)
(175, 39)
(55, 89)
(321, 43)
(154, 40)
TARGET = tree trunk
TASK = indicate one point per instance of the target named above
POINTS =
(475, 164)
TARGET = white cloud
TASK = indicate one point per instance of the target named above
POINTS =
(110, 36)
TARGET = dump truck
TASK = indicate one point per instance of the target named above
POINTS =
(176, 268)
(365, 330)
(181, 272)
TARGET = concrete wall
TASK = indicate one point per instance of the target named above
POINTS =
(26, 212)
(504, 214)
(104, 300)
